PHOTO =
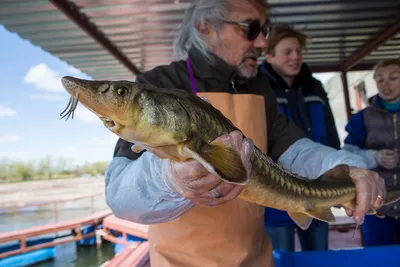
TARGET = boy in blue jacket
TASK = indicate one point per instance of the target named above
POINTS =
(303, 99)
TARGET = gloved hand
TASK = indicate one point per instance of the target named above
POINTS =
(371, 192)
(387, 158)
(193, 181)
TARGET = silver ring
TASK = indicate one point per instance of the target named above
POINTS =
(214, 193)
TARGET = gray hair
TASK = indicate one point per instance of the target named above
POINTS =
(210, 11)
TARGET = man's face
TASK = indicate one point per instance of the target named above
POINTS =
(231, 44)
(388, 82)
(287, 57)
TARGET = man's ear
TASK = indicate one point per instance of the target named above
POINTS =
(204, 27)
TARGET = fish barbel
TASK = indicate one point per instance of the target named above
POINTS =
(174, 124)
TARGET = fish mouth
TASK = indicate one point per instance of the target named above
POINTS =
(70, 109)
(71, 106)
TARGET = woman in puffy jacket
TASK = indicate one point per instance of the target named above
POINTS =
(374, 134)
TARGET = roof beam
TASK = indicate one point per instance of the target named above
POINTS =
(336, 68)
(370, 46)
(73, 13)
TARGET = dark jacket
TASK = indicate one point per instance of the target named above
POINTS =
(221, 77)
(306, 103)
(377, 128)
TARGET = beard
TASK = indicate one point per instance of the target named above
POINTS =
(246, 69)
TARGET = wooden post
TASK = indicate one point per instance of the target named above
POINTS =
(346, 94)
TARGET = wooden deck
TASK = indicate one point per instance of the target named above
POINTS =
(132, 256)
(73, 225)
(124, 227)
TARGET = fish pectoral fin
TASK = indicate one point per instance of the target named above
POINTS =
(137, 148)
(351, 205)
(322, 214)
(221, 160)
(301, 219)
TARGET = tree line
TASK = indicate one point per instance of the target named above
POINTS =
(46, 169)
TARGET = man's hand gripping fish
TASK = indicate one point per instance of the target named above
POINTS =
(175, 124)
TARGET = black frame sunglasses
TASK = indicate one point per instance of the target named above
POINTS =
(254, 28)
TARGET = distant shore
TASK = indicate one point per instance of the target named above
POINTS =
(47, 193)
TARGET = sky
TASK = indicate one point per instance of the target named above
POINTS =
(31, 99)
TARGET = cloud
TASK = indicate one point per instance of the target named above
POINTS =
(49, 97)
(44, 78)
(7, 112)
(9, 138)
(85, 115)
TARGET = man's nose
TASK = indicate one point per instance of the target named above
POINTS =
(260, 41)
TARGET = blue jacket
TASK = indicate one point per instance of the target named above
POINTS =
(306, 103)
(374, 128)
(356, 127)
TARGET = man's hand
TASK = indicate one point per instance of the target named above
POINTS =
(196, 183)
(371, 192)
(387, 158)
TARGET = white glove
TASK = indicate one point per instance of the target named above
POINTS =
(194, 182)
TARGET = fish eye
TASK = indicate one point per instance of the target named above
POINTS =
(121, 91)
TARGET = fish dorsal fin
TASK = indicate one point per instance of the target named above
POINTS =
(301, 219)
(222, 161)
(338, 173)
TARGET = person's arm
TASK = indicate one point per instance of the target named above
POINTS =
(311, 159)
(136, 190)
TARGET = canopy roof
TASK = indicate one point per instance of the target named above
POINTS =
(116, 39)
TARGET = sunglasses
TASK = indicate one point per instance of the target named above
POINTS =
(253, 28)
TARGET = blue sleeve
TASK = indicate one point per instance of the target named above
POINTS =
(136, 191)
(356, 130)
(310, 159)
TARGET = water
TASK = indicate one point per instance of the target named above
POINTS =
(68, 254)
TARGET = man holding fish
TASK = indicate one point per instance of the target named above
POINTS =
(195, 216)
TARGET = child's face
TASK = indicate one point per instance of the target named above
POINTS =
(388, 82)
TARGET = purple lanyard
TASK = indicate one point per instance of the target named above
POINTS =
(191, 76)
